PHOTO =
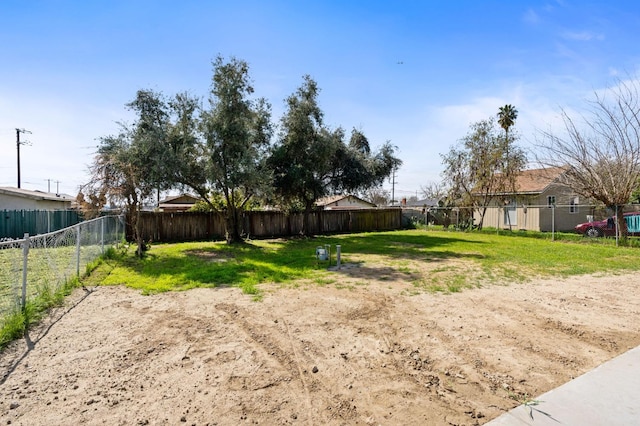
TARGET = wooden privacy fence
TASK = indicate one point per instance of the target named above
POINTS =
(193, 226)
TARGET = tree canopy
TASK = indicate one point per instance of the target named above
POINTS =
(310, 161)
(225, 153)
(237, 133)
(482, 166)
(129, 166)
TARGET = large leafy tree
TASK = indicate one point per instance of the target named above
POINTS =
(310, 160)
(130, 166)
(159, 151)
(188, 153)
(482, 166)
(237, 133)
(600, 150)
(301, 159)
(118, 177)
(150, 148)
(360, 168)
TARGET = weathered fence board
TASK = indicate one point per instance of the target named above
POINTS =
(194, 226)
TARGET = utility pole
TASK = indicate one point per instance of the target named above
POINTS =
(393, 187)
(18, 143)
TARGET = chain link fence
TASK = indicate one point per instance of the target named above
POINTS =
(592, 221)
(622, 222)
(43, 263)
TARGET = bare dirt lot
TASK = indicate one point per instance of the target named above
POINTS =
(335, 354)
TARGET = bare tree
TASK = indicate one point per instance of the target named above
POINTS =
(434, 190)
(378, 196)
(600, 149)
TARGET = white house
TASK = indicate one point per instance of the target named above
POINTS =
(26, 199)
(344, 202)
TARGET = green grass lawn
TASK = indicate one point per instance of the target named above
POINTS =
(430, 260)
(420, 260)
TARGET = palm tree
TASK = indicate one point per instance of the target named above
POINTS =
(506, 118)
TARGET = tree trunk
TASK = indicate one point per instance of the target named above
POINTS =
(229, 234)
(139, 241)
(305, 220)
(621, 225)
(233, 226)
(141, 248)
(483, 212)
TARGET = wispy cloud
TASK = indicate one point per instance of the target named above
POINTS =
(583, 36)
(531, 17)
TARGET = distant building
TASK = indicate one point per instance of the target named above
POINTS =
(25, 199)
(418, 204)
(177, 203)
(344, 202)
(541, 202)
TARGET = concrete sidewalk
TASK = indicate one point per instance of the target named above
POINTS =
(608, 395)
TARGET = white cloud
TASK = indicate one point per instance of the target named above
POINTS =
(438, 127)
(531, 17)
(582, 36)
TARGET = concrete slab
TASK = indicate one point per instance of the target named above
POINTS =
(608, 395)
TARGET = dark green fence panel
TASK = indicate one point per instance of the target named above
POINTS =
(16, 223)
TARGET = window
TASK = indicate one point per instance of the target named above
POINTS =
(510, 213)
(551, 201)
(573, 207)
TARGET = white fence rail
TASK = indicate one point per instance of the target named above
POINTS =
(43, 263)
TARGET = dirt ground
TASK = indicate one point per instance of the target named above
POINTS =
(340, 354)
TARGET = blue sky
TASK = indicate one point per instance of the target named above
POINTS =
(417, 73)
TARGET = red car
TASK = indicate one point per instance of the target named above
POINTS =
(607, 227)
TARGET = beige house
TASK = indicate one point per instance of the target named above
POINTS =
(26, 199)
(343, 202)
(540, 203)
(177, 203)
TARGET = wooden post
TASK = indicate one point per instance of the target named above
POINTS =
(25, 256)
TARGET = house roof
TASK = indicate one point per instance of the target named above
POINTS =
(429, 202)
(325, 201)
(36, 195)
(537, 180)
(180, 199)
